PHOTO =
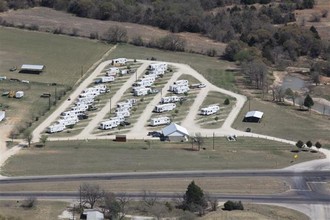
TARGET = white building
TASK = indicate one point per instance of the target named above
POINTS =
(160, 121)
(210, 110)
(91, 214)
(164, 107)
(175, 132)
(2, 115)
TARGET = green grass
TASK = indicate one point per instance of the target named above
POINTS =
(65, 57)
(108, 156)
(211, 68)
(286, 122)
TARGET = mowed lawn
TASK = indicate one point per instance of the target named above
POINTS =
(212, 68)
(108, 156)
(286, 122)
(65, 57)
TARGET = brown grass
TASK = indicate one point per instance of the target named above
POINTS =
(48, 19)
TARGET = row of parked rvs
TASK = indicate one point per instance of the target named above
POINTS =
(122, 112)
(78, 110)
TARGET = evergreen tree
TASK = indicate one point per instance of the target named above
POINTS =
(194, 198)
(308, 102)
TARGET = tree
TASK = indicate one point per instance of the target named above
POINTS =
(226, 102)
(308, 102)
(309, 144)
(199, 139)
(13, 134)
(43, 139)
(299, 144)
(115, 34)
(232, 205)
(28, 138)
(318, 145)
(194, 198)
(291, 95)
(90, 194)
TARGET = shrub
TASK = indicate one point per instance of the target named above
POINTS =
(232, 205)
(29, 202)
(226, 102)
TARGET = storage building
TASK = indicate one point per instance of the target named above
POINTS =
(175, 132)
(253, 116)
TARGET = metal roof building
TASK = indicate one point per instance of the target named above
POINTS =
(28, 68)
(175, 132)
(253, 116)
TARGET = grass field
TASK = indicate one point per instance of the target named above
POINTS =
(286, 122)
(108, 156)
(65, 57)
(257, 212)
(43, 210)
(212, 68)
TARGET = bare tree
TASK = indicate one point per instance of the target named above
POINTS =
(43, 139)
(90, 194)
(199, 139)
(115, 34)
(28, 138)
(13, 134)
(149, 198)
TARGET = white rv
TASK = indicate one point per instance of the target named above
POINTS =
(158, 66)
(181, 89)
(55, 128)
(164, 107)
(19, 94)
(113, 71)
(119, 61)
(132, 101)
(142, 91)
(124, 105)
(124, 114)
(68, 117)
(82, 107)
(143, 83)
(105, 79)
(169, 99)
(160, 121)
(85, 101)
(151, 77)
(101, 88)
(67, 122)
(210, 110)
(109, 124)
(181, 82)
(72, 113)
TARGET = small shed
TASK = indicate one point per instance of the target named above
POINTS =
(121, 138)
(253, 116)
(91, 214)
(2, 115)
(28, 68)
(175, 132)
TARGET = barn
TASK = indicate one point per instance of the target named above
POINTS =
(35, 69)
(253, 116)
(175, 132)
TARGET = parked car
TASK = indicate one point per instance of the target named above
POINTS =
(201, 85)
(14, 68)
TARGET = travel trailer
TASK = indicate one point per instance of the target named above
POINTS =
(105, 79)
(210, 110)
(112, 71)
(68, 122)
(164, 107)
(109, 124)
(142, 91)
(124, 114)
(119, 61)
(169, 99)
(160, 121)
(157, 66)
(55, 128)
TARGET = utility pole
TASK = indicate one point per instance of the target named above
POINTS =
(110, 105)
(55, 95)
(249, 103)
(48, 102)
(213, 140)
(82, 71)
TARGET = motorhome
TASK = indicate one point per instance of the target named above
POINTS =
(119, 61)
(142, 91)
(55, 128)
(164, 107)
(89, 95)
(68, 117)
(160, 121)
(210, 110)
(169, 99)
(109, 124)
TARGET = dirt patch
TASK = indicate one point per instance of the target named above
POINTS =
(48, 20)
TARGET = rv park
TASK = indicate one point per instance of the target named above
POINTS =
(158, 108)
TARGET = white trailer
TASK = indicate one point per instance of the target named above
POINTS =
(143, 83)
(113, 71)
(84, 100)
(132, 101)
(19, 94)
(70, 121)
(72, 113)
(101, 88)
(119, 61)
(152, 77)
(142, 91)
(179, 89)
(210, 110)
(169, 99)
(55, 128)
(126, 105)
(82, 107)
(182, 82)
(164, 107)
(68, 117)
(155, 73)
(158, 66)
(105, 79)
(124, 114)
(160, 121)
(2, 115)
(109, 124)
